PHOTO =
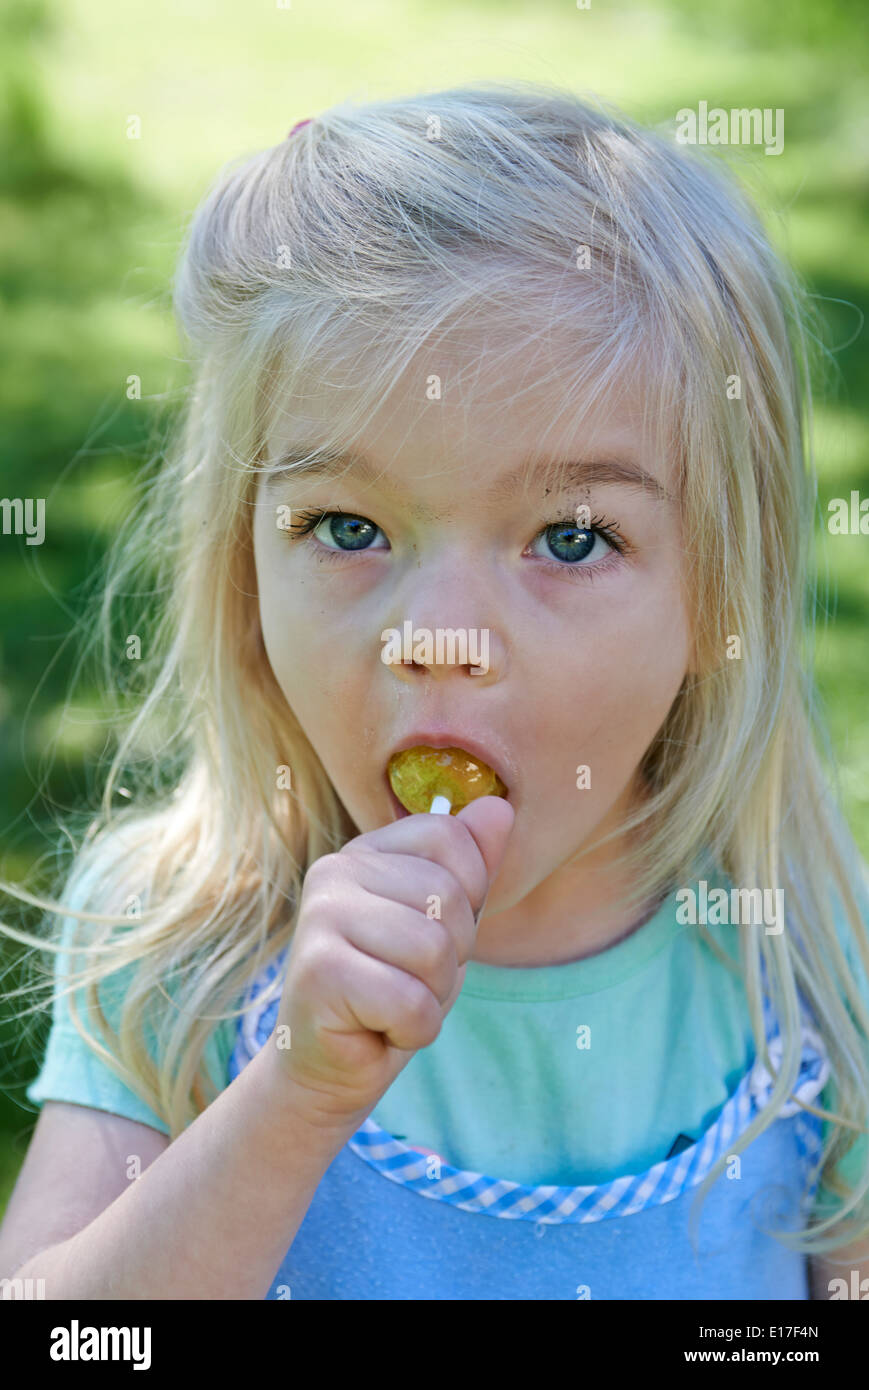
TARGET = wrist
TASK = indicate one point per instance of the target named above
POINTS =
(300, 1104)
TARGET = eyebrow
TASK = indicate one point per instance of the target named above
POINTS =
(306, 461)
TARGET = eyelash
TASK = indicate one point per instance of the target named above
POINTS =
(310, 520)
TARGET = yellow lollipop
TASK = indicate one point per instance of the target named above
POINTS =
(418, 775)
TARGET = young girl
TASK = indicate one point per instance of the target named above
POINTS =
(495, 445)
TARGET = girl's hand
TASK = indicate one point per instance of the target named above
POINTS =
(378, 956)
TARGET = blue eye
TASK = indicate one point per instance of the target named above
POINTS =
(570, 543)
(349, 532)
(338, 530)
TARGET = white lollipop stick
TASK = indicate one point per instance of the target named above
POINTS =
(440, 806)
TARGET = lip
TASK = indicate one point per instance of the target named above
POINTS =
(489, 751)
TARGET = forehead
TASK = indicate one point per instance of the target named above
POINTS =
(457, 422)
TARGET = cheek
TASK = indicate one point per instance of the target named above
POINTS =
(286, 634)
(641, 669)
(622, 669)
(316, 665)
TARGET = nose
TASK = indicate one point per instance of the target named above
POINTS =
(413, 651)
(444, 624)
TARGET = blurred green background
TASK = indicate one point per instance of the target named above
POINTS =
(90, 225)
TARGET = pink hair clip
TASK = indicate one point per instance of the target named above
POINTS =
(306, 121)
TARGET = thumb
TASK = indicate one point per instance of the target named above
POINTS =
(489, 820)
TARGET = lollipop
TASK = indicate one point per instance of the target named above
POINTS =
(441, 780)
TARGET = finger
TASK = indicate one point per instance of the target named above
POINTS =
(421, 885)
(421, 946)
(490, 820)
(380, 998)
(443, 840)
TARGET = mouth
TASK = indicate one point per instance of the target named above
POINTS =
(417, 782)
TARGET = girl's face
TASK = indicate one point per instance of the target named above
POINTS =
(588, 636)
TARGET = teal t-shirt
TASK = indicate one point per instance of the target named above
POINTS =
(570, 1074)
(580, 1073)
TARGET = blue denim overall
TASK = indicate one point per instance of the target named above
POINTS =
(389, 1221)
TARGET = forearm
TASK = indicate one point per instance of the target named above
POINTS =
(214, 1215)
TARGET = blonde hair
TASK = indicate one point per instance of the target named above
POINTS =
(337, 254)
